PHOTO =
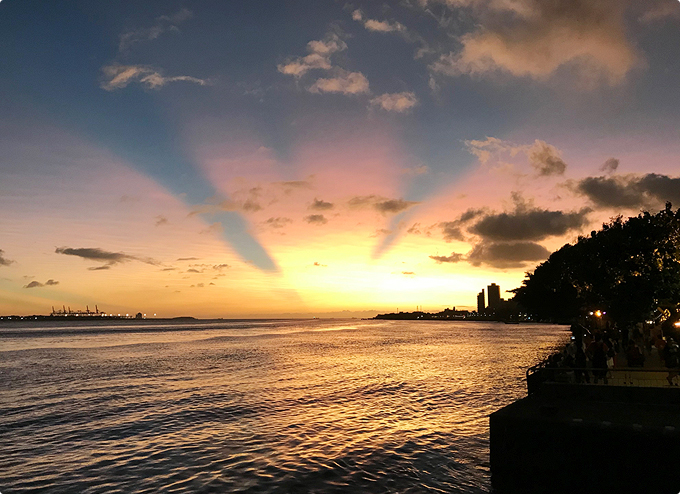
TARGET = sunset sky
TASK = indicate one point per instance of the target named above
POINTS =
(305, 158)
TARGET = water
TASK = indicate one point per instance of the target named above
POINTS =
(257, 406)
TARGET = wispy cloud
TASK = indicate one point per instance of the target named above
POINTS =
(319, 57)
(396, 102)
(99, 255)
(381, 204)
(117, 76)
(661, 10)
(37, 284)
(453, 258)
(161, 25)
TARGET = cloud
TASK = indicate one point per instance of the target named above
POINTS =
(535, 38)
(506, 255)
(188, 258)
(117, 76)
(528, 224)
(99, 255)
(3, 260)
(319, 205)
(396, 102)
(408, 273)
(37, 284)
(630, 191)
(381, 204)
(453, 230)
(316, 219)
(319, 56)
(344, 82)
(161, 220)
(664, 9)
(163, 24)
(318, 264)
(378, 26)
(488, 147)
(277, 222)
(453, 258)
(393, 27)
(415, 171)
(546, 159)
(610, 165)
(295, 184)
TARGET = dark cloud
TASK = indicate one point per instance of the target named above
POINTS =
(99, 255)
(220, 267)
(188, 259)
(251, 205)
(610, 165)
(318, 219)
(161, 220)
(394, 206)
(453, 258)
(506, 254)
(319, 205)
(193, 270)
(546, 159)
(453, 230)
(3, 260)
(296, 184)
(381, 204)
(381, 231)
(630, 191)
(529, 224)
(99, 268)
(277, 222)
(37, 284)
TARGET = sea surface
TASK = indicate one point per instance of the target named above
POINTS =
(286, 406)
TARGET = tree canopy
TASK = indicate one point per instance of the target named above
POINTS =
(628, 268)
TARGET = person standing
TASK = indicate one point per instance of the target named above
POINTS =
(597, 351)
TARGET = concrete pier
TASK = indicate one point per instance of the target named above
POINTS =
(574, 438)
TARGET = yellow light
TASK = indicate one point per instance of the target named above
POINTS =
(598, 313)
(677, 324)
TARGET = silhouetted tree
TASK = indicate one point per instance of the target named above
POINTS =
(627, 268)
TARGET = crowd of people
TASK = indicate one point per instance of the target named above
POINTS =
(596, 351)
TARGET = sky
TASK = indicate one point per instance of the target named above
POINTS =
(321, 158)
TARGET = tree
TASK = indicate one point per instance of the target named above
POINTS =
(627, 269)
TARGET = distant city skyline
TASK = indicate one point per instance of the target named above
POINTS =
(311, 158)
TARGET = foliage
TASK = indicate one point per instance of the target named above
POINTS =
(628, 268)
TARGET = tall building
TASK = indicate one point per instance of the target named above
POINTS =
(494, 295)
(480, 302)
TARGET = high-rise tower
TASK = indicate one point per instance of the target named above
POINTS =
(494, 295)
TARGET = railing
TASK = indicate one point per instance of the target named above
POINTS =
(617, 376)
